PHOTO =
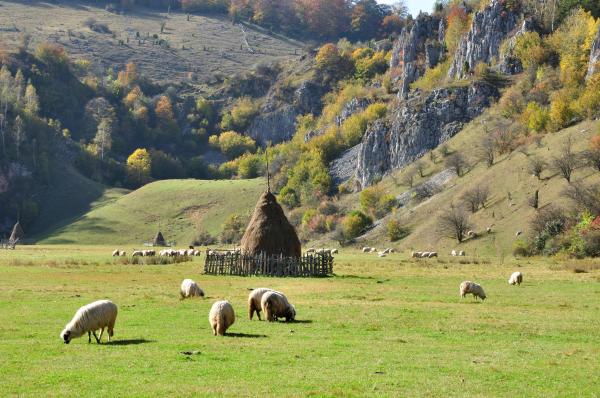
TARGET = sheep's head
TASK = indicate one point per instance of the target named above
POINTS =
(290, 313)
(66, 336)
(201, 293)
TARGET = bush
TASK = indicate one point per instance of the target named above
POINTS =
(591, 243)
(395, 230)
(375, 202)
(203, 238)
(233, 144)
(249, 166)
(289, 197)
(241, 114)
(521, 248)
(233, 229)
(355, 224)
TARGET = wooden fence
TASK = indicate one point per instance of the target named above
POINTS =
(240, 264)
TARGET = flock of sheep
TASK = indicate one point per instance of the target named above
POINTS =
(468, 287)
(102, 314)
(382, 253)
(163, 253)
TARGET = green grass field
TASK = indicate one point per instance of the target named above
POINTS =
(380, 327)
(178, 207)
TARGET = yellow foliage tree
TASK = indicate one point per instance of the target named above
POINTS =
(138, 167)
(164, 109)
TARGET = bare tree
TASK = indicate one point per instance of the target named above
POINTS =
(408, 178)
(567, 161)
(103, 138)
(420, 168)
(456, 162)
(475, 198)
(592, 158)
(534, 201)
(488, 150)
(537, 166)
(454, 223)
(585, 197)
(426, 191)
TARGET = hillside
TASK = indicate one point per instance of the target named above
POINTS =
(177, 206)
(193, 51)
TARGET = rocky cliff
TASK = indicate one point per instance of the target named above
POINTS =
(417, 126)
(488, 30)
(594, 56)
(423, 40)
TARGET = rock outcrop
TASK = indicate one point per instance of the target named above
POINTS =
(510, 63)
(417, 126)
(482, 44)
(594, 56)
(423, 39)
(276, 121)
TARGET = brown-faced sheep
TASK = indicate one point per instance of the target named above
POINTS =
(221, 317)
(89, 318)
(254, 299)
(275, 305)
(516, 278)
(468, 287)
(189, 288)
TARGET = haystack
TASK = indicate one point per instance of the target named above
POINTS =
(159, 240)
(17, 233)
(269, 230)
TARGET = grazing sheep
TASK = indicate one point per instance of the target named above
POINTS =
(432, 255)
(472, 234)
(373, 250)
(468, 287)
(424, 254)
(137, 253)
(221, 317)
(454, 253)
(115, 253)
(89, 318)
(461, 253)
(334, 251)
(366, 249)
(122, 254)
(149, 253)
(189, 288)
(392, 251)
(381, 254)
(489, 229)
(416, 254)
(197, 253)
(518, 233)
(254, 299)
(276, 305)
(516, 278)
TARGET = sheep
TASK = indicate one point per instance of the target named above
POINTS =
(137, 253)
(115, 253)
(190, 252)
(516, 278)
(489, 229)
(432, 254)
(518, 233)
(373, 250)
(453, 253)
(416, 254)
(149, 253)
(89, 318)
(221, 317)
(197, 253)
(122, 253)
(366, 249)
(386, 251)
(254, 299)
(334, 251)
(468, 287)
(424, 254)
(461, 253)
(189, 288)
(472, 234)
(275, 305)
(392, 251)
(381, 254)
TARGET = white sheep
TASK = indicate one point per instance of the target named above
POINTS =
(366, 249)
(189, 288)
(137, 253)
(254, 300)
(276, 305)
(516, 278)
(416, 254)
(115, 253)
(122, 253)
(221, 317)
(373, 250)
(468, 287)
(518, 233)
(424, 254)
(89, 318)
(432, 254)
(454, 253)
(461, 253)
(381, 254)
(334, 251)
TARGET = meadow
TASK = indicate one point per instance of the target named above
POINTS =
(381, 327)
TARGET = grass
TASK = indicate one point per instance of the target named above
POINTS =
(381, 327)
(178, 207)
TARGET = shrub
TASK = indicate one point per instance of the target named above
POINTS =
(233, 144)
(355, 223)
(395, 230)
(52, 55)
(233, 229)
(203, 238)
(530, 49)
(375, 202)
(535, 118)
(249, 166)
(521, 248)
(289, 197)
(241, 114)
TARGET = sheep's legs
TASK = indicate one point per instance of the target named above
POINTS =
(96, 337)
(101, 333)
(89, 337)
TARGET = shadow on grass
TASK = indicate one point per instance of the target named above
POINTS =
(130, 342)
(246, 335)
(301, 321)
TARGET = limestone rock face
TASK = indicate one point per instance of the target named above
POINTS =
(482, 44)
(417, 126)
(594, 56)
(423, 39)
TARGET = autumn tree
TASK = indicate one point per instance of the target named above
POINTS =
(32, 102)
(164, 109)
(129, 76)
(458, 24)
(139, 167)
(325, 18)
(103, 138)
(366, 18)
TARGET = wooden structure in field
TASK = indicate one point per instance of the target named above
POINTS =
(240, 264)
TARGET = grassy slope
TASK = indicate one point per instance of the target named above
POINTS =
(222, 40)
(509, 174)
(385, 327)
(178, 206)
